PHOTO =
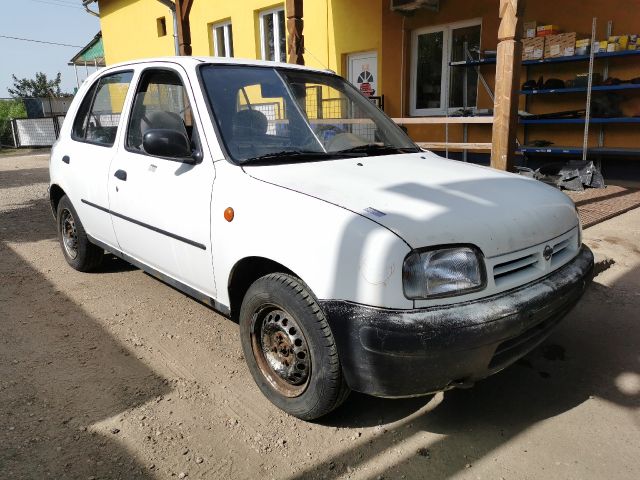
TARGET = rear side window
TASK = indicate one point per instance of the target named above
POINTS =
(161, 102)
(99, 114)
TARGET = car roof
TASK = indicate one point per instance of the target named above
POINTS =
(190, 62)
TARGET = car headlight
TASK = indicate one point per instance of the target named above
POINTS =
(442, 272)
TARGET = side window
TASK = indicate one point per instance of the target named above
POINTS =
(79, 129)
(161, 102)
(99, 114)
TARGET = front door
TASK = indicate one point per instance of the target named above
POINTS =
(363, 72)
(161, 207)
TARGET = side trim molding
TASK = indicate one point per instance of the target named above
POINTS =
(186, 289)
(146, 225)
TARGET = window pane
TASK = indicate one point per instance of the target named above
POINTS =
(429, 74)
(220, 47)
(107, 108)
(268, 39)
(283, 36)
(281, 110)
(82, 117)
(230, 30)
(464, 79)
(161, 102)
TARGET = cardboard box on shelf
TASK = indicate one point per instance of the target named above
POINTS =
(562, 45)
(530, 29)
(600, 47)
(544, 30)
(613, 47)
(621, 40)
(533, 48)
(582, 46)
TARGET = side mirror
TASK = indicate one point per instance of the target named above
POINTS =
(173, 144)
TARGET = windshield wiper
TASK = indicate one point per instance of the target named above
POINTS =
(373, 148)
(298, 156)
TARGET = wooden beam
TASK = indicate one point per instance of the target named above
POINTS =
(295, 26)
(183, 9)
(454, 146)
(507, 84)
(442, 120)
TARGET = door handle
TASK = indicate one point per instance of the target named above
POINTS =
(121, 175)
(66, 159)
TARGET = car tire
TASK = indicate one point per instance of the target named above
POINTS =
(289, 347)
(78, 251)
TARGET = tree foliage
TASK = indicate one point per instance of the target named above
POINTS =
(9, 109)
(39, 87)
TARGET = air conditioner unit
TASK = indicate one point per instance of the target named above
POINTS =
(411, 5)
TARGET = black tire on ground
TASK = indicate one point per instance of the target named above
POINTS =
(78, 251)
(283, 327)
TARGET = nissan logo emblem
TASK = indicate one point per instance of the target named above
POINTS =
(547, 253)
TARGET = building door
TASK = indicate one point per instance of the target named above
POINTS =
(363, 72)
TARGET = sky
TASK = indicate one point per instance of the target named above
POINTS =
(59, 21)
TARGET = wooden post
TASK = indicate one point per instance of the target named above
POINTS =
(505, 108)
(295, 26)
(183, 8)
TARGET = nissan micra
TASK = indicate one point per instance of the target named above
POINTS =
(287, 201)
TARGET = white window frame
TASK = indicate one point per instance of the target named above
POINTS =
(447, 37)
(227, 38)
(276, 33)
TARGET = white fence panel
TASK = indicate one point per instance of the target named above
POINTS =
(35, 132)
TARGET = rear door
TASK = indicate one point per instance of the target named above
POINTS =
(161, 207)
(91, 149)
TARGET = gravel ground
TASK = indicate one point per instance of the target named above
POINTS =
(116, 375)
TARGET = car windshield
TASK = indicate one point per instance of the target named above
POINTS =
(275, 115)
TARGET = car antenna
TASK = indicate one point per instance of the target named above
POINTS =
(306, 50)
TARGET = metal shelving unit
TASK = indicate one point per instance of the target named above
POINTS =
(579, 121)
(601, 88)
(579, 151)
(542, 61)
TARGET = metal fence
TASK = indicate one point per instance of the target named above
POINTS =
(31, 122)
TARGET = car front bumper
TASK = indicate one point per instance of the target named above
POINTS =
(403, 353)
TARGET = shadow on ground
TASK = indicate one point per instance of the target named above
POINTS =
(60, 370)
(573, 366)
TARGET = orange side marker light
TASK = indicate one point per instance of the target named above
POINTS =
(229, 214)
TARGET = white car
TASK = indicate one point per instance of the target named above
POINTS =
(286, 200)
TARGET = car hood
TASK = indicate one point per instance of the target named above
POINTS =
(428, 200)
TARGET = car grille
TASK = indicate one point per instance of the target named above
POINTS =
(527, 265)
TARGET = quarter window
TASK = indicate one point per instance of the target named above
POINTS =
(273, 35)
(433, 80)
(161, 102)
(223, 40)
(99, 114)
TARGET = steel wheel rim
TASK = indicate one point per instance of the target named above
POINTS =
(281, 350)
(69, 234)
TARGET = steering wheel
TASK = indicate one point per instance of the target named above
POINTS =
(327, 132)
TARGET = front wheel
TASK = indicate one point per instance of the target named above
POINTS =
(78, 251)
(289, 347)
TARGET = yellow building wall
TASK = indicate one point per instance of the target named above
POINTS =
(129, 30)
(332, 29)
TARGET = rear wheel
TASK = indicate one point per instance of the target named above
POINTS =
(289, 347)
(78, 251)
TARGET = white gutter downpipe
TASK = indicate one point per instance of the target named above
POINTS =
(86, 3)
(172, 6)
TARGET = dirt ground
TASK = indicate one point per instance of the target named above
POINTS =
(116, 375)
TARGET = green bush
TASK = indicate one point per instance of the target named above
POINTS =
(9, 109)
